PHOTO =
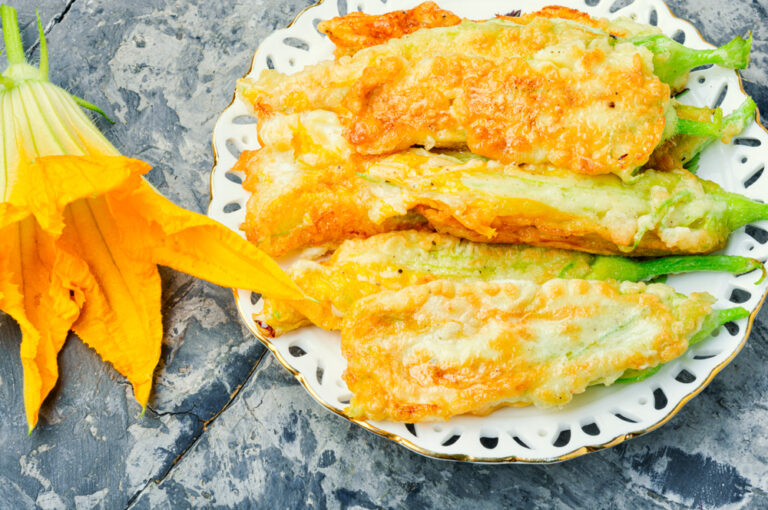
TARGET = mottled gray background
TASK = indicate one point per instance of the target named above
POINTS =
(227, 425)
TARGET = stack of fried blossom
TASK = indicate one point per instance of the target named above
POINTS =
(542, 134)
(81, 234)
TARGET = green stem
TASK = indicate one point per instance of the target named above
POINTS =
(716, 319)
(732, 125)
(711, 129)
(620, 268)
(724, 263)
(12, 35)
(90, 106)
(633, 375)
(19, 71)
(43, 47)
(738, 120)
(742, 211)
(672, 60)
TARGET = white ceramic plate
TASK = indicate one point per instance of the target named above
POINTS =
(602, 416)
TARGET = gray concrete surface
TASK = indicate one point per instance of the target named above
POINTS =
(227, 425)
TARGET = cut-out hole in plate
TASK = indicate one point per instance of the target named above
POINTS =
(659, 399)
(233, 148)
(619, 4)
(747, 141)
(319, 373)
(489, 442)
(519, 441)
(270, 62)
(754, 177)
(296, 351)
(701, 68)
(624, 418)
(702, 79)
(739, 296)
(255, 298)
(732, 328)
(591, 3)
(757, 233)
(679, 37)
(653, 18)
(451, 440)
(685, 377)
(720, 96)
(233, 177)
(231, 207)
(591, 429)
(341, 5)
(411, 428)
(703, 356)
(562, 439)
(297, 43)
(245, 119)
(315, 23)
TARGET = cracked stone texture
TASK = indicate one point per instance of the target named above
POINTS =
(163, 69)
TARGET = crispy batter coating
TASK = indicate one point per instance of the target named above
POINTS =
(303, 197)
(303, 193)
(429, 352)
(394, 260)
(357, 30)
(549, 91)
(391, 261)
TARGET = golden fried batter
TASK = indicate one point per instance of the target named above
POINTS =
(303, 193)
(549, 91)
(357, 30)
(429, 352)
(391, 261)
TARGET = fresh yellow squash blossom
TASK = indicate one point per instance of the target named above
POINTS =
(81, 234)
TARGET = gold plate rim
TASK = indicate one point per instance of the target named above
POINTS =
(469, 458)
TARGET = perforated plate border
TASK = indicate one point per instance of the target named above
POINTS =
(602, 416)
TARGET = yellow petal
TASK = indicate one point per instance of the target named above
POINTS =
(38, 289)
(196, 244)
(47, 185)
(121, 317)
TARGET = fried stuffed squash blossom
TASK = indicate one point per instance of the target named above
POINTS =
(432, 351)
(310, 187)
(548, 90)
(363, 267)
